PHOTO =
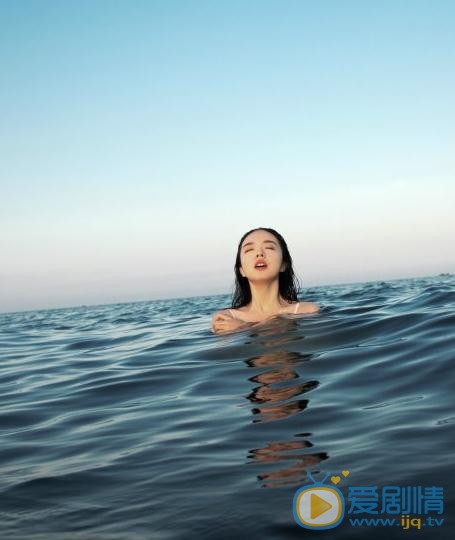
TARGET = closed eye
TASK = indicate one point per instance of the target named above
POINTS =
(251, 249)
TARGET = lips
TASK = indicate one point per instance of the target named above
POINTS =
(260, 263)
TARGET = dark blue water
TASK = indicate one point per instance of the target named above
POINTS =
(133, 421)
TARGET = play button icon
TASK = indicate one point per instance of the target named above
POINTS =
(320, 507)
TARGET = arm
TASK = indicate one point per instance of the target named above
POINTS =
(223, 322)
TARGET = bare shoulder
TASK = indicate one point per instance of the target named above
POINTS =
(308, 307)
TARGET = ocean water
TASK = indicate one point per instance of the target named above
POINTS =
(134, 421)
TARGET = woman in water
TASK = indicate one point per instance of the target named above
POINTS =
(265, 283)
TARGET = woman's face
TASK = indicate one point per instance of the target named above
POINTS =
(260, 246)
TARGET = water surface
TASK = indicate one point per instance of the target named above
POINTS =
(134, 421)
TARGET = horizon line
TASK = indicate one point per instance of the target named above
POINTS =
(441, 274)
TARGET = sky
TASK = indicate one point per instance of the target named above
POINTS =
(139, 140)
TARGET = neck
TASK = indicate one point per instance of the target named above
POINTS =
(265, 297)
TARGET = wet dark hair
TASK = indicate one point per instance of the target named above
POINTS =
(288, 283)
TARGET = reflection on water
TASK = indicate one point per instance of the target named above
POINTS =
(277, 397)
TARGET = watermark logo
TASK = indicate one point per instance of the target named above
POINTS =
(320, 506)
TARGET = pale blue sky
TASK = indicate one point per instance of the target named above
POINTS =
(139, 141)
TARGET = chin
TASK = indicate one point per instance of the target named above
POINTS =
(264, 276)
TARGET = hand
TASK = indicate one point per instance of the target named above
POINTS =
(223, 322)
